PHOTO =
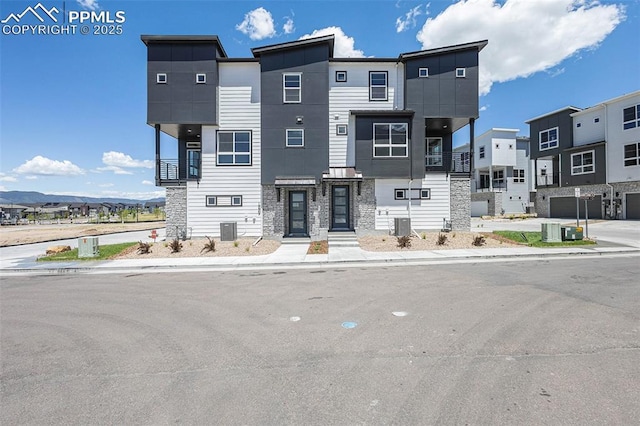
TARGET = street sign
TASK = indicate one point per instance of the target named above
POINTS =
(577, 192)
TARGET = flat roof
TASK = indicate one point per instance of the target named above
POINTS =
(575, 109)
(200, 39)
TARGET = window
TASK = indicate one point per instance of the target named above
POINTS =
(596, 120)
(498, 179)
(548, 139)
(201, 78)
(295, 137)
(579, 125)
(434, 151)
(518, 175)
(461, 72)
(632, 154)
(161, 78)
(390, 140)
(481, 153)
(631, 117)
(223, 200)
(378, 86)
(582, 163)
(193, 163)
(234, 148)
(416, 194)
(292, 88)
(423, 72)
(497, 146)
(341, 76)
(341, 129)
(484, 181)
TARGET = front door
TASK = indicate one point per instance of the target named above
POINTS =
(298, 213)
(340, 210)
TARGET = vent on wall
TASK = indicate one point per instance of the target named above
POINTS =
(194, 145)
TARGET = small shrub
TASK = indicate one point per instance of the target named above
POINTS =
(247, 249)
(236, 243)
(384, 239)
(144, 248)
(442, 239)
(175, 246)
(479, 240)
(210, 246)
(423, 235)
(453, 235)
(404, 241)
(166, 244)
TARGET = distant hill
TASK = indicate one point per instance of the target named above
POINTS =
(32, 197)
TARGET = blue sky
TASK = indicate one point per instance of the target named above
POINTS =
(73, 106)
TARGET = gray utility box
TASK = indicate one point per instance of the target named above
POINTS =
(551, 233)
(88, 247)
(402, 226)
(228, 231)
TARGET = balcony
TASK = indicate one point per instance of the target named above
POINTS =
(450, 162)
(545, 181)
(498, 186)
(169, 172)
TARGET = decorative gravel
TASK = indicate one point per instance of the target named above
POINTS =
(193, 248)
(428, 241)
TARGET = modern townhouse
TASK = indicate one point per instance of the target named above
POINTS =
(296, 142)
(595, 150)
(501, 181)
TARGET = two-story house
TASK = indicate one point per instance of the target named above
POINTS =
(296, 142)
(594, 150)
(501, 181)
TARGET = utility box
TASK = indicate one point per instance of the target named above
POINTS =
(402, 226)
(88, 247)
(228, 231)
(551, 233)
(572, 233)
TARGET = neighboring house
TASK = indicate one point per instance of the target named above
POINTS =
(295, 142)
(596, 150)
(501, 180)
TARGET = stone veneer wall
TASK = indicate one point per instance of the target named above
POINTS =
(460, 190)
(494, 198)
(365, 208)
(543, 206)
(176, 211)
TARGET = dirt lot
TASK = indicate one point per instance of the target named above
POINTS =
(26, 234)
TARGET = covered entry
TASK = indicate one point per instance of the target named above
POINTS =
(341, 183)
(294, 195)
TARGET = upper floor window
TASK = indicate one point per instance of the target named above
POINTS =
(341, 76)
(632, 154)
(549, 139)
(423, 72)
(295, 137)
(292, 88)
(390, 140)
(378, 86)
(434, 151)
(518, 175)
(582, 162)
(234, 148)
(161, 78)
(201, 78)
(461, 72)
(631, 117)
(481, 152)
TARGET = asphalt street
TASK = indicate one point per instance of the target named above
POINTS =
(539, 342)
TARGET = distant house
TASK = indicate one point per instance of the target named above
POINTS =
(501, 180)
(595, 151)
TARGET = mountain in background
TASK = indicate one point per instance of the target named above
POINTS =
(32, 197)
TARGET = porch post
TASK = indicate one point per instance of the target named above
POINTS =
(472, 132)
(157, 127)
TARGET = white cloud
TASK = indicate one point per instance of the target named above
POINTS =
(42, 166)
(484, 108)
(105, 185)
(3, 188)
(410, 19)
(147, 182)
(115, 169)
(5, 178)
(119, 159)
(89, 4)
(31, 177)
(524, 36)
(288, 26)
(344, 45)
(257, 24)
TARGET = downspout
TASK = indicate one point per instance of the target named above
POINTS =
(606, 162)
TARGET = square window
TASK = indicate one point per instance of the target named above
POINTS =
(234, 148)
(425, 194)
(400, 194)
(548, 139)
(390, 139)
(582, 163)
(632, 154)
(596, 120)
(201, 78)
(236, 200)
(423, 72)
(295, 138)
(211, 201)
(341, 129)
(341, 76)
(579, 125)
(461, 72)
(161, 78)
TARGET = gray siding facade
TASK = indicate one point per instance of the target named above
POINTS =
(373, 167)
(562, 120)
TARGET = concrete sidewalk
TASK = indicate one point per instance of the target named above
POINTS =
(295, 255)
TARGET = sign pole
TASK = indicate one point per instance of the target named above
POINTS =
(577, 195)
(586, 217)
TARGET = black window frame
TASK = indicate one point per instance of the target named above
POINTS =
(338, 80)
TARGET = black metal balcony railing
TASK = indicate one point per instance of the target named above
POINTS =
(498, 186)
(169, 170)
(548, 180)
(452, 162)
